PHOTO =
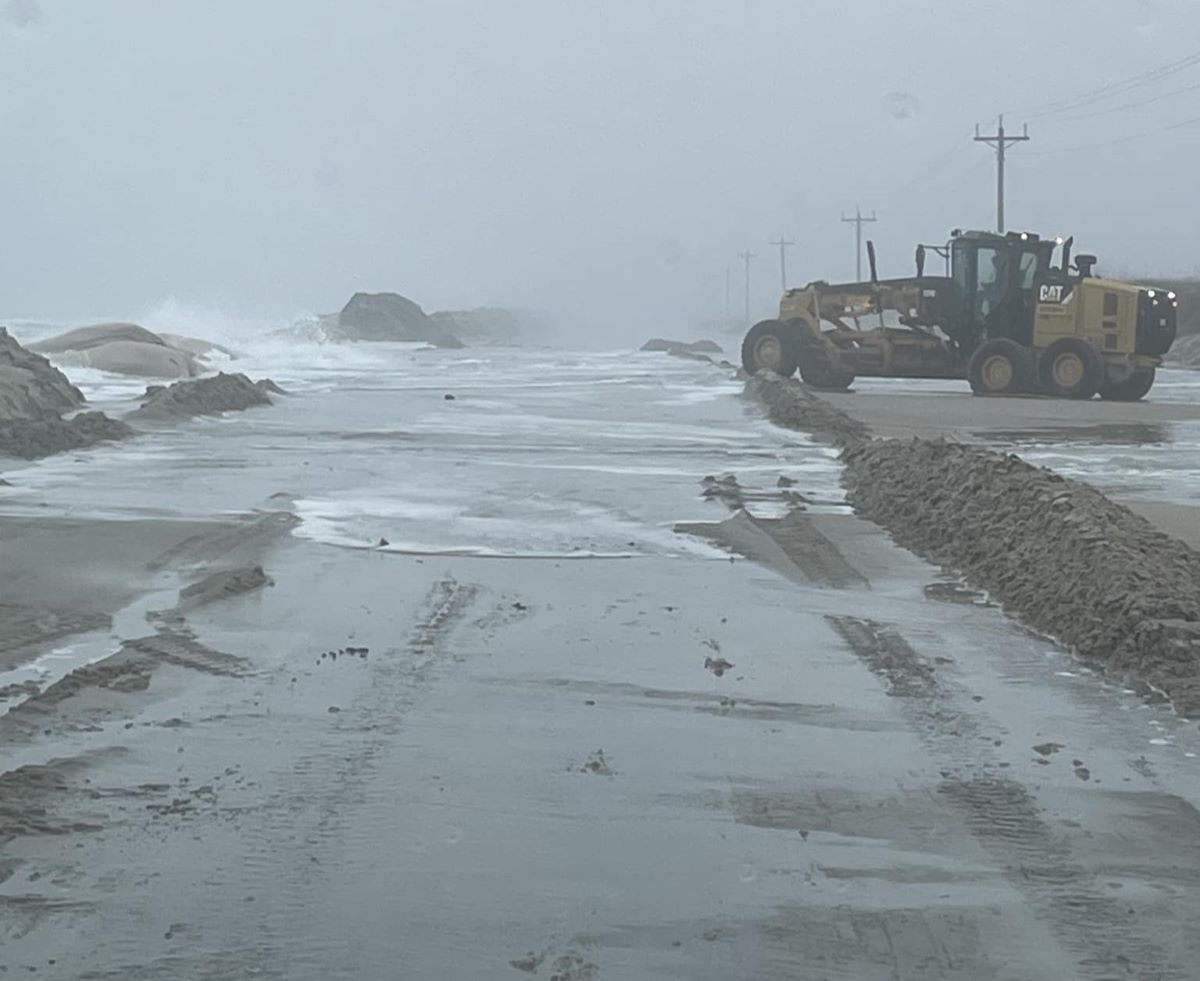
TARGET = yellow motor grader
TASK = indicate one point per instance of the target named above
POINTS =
(1004, 316)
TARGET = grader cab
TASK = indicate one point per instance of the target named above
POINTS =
(1004, 316)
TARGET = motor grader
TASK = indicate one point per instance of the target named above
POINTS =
(1005, 316)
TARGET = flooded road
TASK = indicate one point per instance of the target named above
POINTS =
(527, 696)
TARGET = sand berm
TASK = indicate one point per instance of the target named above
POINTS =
(1056, 552)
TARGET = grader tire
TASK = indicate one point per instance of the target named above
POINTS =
(1130, 388)
(1069, 369)
(1000, 367)
(819, 368)
(771, 346)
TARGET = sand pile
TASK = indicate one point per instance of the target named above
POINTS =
(792, 405)
(1073, 563)
(33, 397)
(1057, 552)
(204, 396)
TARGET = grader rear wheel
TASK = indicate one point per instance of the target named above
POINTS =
(1131, 388)
(1000, 367)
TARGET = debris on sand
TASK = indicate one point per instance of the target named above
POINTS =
(19, 689)
(204, 396)
(568, 966)
(1047, 749)
(730, 492)
(222, 585)
(529, 963)
(598, 765)
(717, 665)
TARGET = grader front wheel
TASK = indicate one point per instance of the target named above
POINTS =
(1069, 369)
(771, 346)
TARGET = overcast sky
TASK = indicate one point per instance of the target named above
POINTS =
(609, 158)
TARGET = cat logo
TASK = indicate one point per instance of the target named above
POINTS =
(1050, 294)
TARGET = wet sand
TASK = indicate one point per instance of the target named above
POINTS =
(385, 764)
(860, 789)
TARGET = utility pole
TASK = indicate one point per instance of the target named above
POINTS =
(1002, 143)
(746, 257)
(857, 221)
(784, 244)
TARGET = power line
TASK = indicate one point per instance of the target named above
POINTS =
(746, 256)
(1119, 141)
(1002, 143)
(931, 169)
(1132, 105)
(1113, 89)
(858, 221)
(783, 243)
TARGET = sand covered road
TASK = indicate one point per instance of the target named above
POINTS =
(467, 763)
(517, 764)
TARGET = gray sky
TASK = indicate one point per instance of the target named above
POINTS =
(607, 158)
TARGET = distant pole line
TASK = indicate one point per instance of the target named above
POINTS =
(1002, 142)
(746, 257)
(783, 243)
(857, 221)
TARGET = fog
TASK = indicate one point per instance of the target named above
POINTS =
(607, 161)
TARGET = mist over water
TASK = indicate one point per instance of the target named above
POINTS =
(603, 165)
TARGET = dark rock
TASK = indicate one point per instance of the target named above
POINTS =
(30, 439)
(30, 386)
(203, 396)
(682, 347)
(391, 317)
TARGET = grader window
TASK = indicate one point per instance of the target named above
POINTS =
(1027, 271)
(1110, 304)
(990, 279)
